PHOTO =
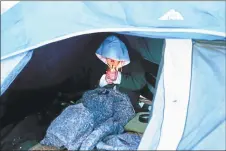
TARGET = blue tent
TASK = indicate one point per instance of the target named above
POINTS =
(198, 65)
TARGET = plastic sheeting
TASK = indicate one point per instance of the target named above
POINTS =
(102, 112)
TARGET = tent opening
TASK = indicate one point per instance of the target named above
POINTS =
(57, 76)
(49, 60)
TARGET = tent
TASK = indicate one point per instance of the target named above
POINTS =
(189, 103)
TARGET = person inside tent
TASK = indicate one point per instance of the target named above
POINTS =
(122, 71)
(110, 62)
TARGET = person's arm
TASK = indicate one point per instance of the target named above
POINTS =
(135, 80)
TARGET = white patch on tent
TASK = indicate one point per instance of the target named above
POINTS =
(6, 5)
(171, 98)
(177, 80)
(172, 15)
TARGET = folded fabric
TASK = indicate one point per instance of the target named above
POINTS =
(126, 141)
(103, 112)
(70, 128)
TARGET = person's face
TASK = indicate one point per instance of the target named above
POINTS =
(113, 64)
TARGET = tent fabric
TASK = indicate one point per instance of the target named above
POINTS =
(206, 112)
(177, 90)
(149, 48)
(11, 67)
(174, 85)
(206, 115)
(32, 24)
(30, 28)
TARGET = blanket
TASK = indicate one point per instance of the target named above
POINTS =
(102, 113)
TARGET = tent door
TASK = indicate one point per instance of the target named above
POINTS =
(172, 97)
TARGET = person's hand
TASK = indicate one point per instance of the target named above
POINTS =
(109, 81)
(111, 75)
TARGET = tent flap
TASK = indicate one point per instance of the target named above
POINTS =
(204, 127)
(11, 67)
(206, 111)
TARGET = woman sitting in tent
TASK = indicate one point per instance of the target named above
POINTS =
(110, 64)
(123, 70)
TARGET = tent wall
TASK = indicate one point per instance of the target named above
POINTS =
(205, 120)
(207, 105)
(171, 98)
(177, 77)
(152, 133)
(149, 48)
(32, 24)
(11, 67)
